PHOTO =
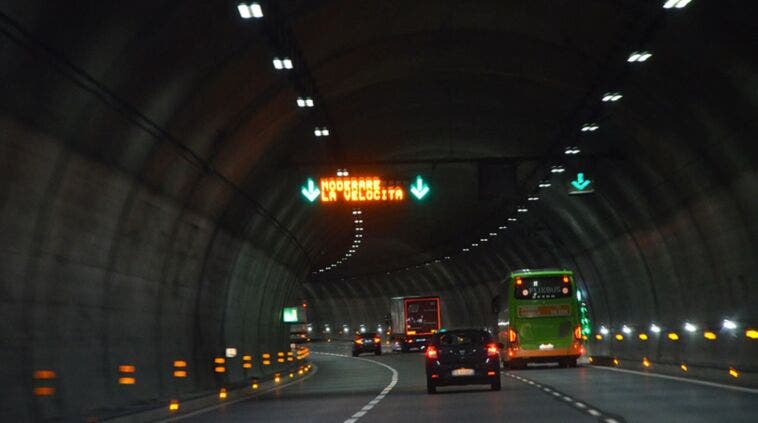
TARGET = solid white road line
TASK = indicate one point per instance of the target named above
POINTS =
(680, 379)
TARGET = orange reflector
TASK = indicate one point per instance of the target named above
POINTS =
(673, 336)
(180, 373)
(290, 359)
(733, 372)
(267, 355)
(44, 374)
(290, 353)
(180, 363)
(219, 360)
(599, 337)
(280, 360)
(126, 368)
(247, 358)
(255, 386)
(280, 354)
(266, 362)
(410, 332)
(619, 337)
(751, 333)
(709, 335)
(645, 362)
(643, 337)
(616, 361)
(684, 367)
(490, 373)
(219, 369)
(222, 393)
(590, 359)
(44, 391)
(173, 405)
(127, 381)
(247, 365)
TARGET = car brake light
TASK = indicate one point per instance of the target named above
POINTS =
(431, 352)
(578, 332)
(491, 349)
(359, 341)
(377, 340)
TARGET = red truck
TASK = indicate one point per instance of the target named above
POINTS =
(414, 321)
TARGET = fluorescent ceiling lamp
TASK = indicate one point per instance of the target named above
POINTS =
(287, 62)
(728, 324)
(278, 63)
(655, 328)
(256, 10)
(639, 56)
(545, 184)
(533, 198)
(626, 329)
(317, 132)
(512, 219)
(309, 102)
(557, 169)
(502, 227)
(300, 102)
(522, 210)
(689, 327)
(675, 4)
(324, 132)
(244, 10)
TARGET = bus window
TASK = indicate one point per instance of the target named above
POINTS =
(542, 288)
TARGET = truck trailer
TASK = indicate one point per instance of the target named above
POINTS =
(414, 321)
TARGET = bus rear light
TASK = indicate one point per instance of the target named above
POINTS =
(359, 341)
(431, 352)
(490, 373)
(565, 279)
(519, 281)
(512, 337)
(377, 340)
(578, 332)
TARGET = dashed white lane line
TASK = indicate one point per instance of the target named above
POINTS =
(371, 404)
(578, 404)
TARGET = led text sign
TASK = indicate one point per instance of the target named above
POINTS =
(359, 189)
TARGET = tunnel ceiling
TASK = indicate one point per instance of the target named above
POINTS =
(409, 88)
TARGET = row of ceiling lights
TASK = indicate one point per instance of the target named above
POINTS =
(608, 97)
(254, 10)
(357, 216)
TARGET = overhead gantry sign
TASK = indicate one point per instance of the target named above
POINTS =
(360, 189)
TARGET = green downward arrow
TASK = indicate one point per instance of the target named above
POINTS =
(420, 189)
(580, 183)
(310, 192)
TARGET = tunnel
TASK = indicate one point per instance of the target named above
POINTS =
(159, 167)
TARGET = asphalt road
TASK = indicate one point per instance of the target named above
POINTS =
(392, 388)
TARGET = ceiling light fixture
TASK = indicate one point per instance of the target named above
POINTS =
(639, 56)
(669, 4)
(612, 97)
(589, 127)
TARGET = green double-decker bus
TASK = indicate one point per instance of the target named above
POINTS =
(540, 320)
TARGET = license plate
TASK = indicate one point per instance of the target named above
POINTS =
(463, 372)
(368, 341)
(420, 339)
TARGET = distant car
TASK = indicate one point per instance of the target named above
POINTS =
(462, 357)
(367, 342)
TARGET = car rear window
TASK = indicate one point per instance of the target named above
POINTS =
(462, 338)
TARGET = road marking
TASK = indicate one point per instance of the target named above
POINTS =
(354, 418)
(680, 379)
(580, 406)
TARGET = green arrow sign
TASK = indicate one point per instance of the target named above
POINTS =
(581, 185)
(311, 192)
(419, 189)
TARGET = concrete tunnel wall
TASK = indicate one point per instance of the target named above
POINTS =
(122, 247)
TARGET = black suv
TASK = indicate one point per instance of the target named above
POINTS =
(367, 342)
(462, 357)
